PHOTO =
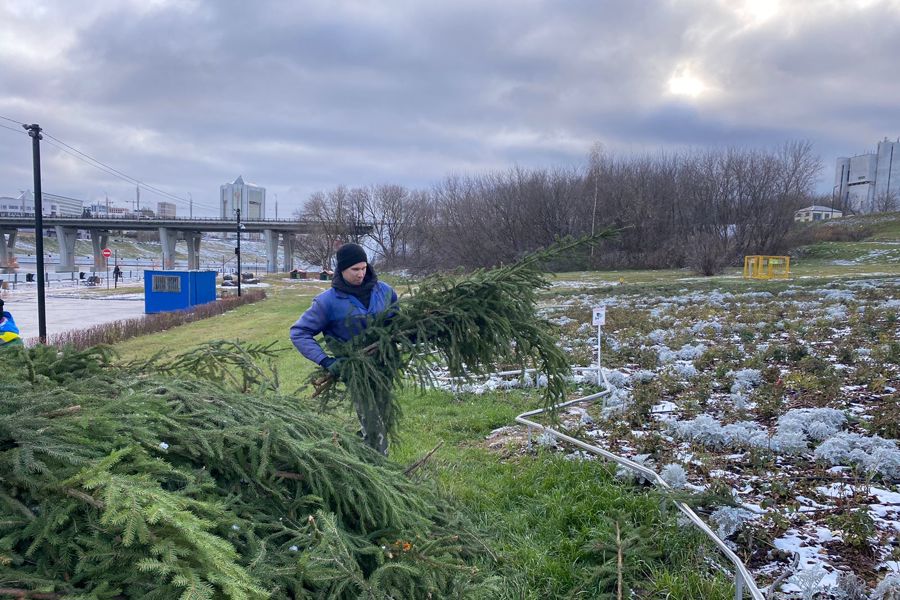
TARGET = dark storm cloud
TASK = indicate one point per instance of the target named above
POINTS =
(304, 96)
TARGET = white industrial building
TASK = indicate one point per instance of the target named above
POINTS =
(52, 205)
(250, 198)
(869, 183)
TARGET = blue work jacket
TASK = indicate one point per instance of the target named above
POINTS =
(338, 315)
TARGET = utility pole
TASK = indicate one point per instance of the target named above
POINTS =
(107, 206)
(238, 249)
(276, 207)
(137, 190)
(191, 199)
(34, 130)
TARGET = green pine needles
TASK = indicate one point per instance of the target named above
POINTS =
(122, 482)
(469, 323)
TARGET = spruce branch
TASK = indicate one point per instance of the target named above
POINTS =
(28, 594)
(238, 365)
(418, 464)
(469, 323)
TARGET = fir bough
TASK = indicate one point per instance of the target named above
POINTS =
(470, 323)
(119, 483)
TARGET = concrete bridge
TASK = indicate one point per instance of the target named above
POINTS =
(276, 232)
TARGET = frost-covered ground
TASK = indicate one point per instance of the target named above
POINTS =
(786, 400)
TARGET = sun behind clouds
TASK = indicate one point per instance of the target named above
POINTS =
(684, 83)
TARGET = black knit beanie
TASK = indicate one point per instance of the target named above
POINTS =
(350, 254)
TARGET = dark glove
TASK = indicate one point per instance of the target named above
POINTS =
(333, 366)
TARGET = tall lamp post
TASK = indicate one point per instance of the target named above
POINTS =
(34, 130)
(237, 250)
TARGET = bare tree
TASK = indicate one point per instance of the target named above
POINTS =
(337, 216)
(595, 171)
(886, 201)
(391, 212)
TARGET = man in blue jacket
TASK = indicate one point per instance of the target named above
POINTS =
(341, 313)
(9, 332)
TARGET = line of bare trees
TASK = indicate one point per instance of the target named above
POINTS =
(702, 209)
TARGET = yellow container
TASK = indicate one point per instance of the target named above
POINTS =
(767, 267)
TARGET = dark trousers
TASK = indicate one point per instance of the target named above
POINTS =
(374, 414)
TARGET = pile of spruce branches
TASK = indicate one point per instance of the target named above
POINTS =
(192, 478)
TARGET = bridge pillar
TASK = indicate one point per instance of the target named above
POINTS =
(8, 262)
(66, 237)
(193, 244)
(290, 241)
(99, 239)
(167, 239)
(271, 250)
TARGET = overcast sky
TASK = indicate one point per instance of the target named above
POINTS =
(302, 96)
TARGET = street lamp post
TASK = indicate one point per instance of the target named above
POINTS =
(34, 130)
(237, 250)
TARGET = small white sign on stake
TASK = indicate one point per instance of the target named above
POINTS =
(599, 315)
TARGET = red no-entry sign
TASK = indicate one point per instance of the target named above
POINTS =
(107, 253)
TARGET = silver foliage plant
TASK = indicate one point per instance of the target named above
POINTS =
(709, 432)
(809, 581)
(683, 370)
(675, 475)
(850, 587)
(793, 433)
(888, 589)
(817, 423)
(745, 380)
(874, 454)
(642, 376)
(689, 352)
(626, 474)
(729, 520)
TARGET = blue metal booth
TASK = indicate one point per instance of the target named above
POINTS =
(166, 291)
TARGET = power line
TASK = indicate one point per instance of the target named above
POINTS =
(13, 129)
(116, 173)
(90, 160)
(108, 169)
(12, 120)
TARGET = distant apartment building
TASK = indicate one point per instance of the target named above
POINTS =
(817, 213)
(869, 183)
(250, 198)
(52, 205)
(165, 210)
